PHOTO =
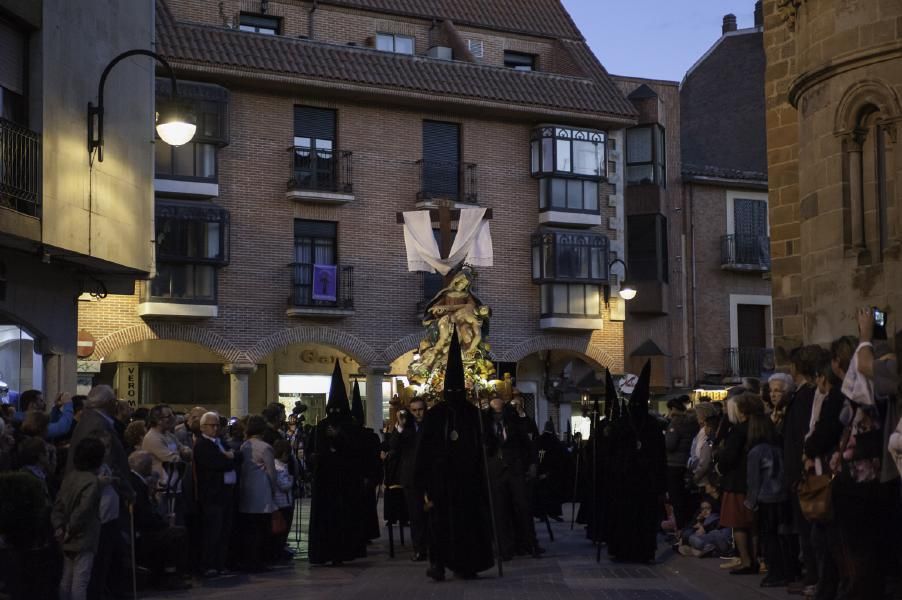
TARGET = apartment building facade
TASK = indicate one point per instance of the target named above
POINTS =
(321, 121)
(697, 226)
(68, 225)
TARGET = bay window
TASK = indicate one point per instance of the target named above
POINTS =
(645, 156)
(569, 151)
(571, 268)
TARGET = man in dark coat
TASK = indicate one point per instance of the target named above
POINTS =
(450, 470)
(337, 508)
(638, 478)
(551, 479)
(405, 442)
(216, 480)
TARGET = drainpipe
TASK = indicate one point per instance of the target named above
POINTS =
(691, 213)
(311, 19)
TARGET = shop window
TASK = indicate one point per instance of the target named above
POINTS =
(20, 364)
(647, 247)
(162, 383)
(645, 155)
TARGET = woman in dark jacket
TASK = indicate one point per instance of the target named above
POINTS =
(732, 466)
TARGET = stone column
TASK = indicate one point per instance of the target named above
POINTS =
(59, 375)
(238, 386)
(374, 378)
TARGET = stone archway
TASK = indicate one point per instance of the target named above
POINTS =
(181, 332)
(351, 345)
(402, 346)
(561, 342)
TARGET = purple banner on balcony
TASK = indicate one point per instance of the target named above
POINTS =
(325, 282)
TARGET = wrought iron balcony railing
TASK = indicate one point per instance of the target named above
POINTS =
(747, 362)
(321, 170)
(20, 168)
(745, 252)
(321, 286)
(450, 180)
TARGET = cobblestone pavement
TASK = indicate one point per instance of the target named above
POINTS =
(567, 572)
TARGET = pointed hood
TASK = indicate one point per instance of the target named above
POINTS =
(338, 394)
(357, 405)
(455, 386)
(640, 395)
(611, 398)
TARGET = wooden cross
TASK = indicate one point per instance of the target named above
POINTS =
(445, 214)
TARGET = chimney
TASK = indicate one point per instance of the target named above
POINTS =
(729, 23)
(759, 15)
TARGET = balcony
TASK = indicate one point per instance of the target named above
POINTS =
(747, 362)
(746, 253)
(20, 169)
(320, 176)
(447, 180)
(321, 291)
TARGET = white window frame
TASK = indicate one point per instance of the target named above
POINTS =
(732, 196)
(760, 300)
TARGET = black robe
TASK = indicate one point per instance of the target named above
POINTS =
(551, 487)
(449, 467)
(337, 507)
(636, 479)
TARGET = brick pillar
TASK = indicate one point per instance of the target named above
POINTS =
(238, 387)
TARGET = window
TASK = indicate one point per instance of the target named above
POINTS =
(573, 195)
(259, 24)
(193, 160)
(315, 158)
(519, 61)
(13, 56)
(647, 247)
(440, 167)
(560, 255)
(390, 42)
(563, 299)
(192, 243)
(315, 246)
(561, 150)
(645, 159)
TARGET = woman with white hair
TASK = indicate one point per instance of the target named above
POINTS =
(780, 386)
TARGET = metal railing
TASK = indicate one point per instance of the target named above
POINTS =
(314, 288)
(451, 180)
(747, 362)
(321, 170)
(20, 168)
(750, 252)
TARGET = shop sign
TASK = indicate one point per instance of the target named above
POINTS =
(129, 380)
(89, 366)
(312, 356)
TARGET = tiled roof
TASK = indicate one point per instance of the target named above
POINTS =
(690, 170)
(309, 61)
(546, 18)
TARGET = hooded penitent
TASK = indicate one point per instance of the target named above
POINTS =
(338, 394)
(455, 384)
(357, 405)
(640, 395)
(611, 397)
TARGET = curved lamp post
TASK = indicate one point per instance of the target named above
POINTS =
(627, 292)
(174, 125)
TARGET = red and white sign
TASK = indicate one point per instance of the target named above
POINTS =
(85, 346)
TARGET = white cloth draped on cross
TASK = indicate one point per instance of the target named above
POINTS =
(472, 243)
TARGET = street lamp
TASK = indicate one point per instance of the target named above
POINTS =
(175, 125)
(627, 292)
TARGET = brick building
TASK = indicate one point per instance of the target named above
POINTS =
(833, 87)
(697, 228)
(70, 223)
(367, 108)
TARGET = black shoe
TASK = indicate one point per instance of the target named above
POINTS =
(436, 572)
(418, 557)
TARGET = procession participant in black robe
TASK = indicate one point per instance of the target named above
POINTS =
(336, 506)
(510, 459)
(551, 477)
(637, 478)
(371, 446)
(449, 468)
(408, 432)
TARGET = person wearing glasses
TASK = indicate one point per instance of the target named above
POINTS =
(216, 483)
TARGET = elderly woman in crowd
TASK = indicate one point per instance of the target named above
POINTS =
(258, 486)
(780, 386)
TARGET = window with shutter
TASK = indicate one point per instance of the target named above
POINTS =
(441, 160)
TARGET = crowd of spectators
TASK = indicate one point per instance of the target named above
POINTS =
(94, 494)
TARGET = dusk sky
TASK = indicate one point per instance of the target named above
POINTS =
(656, 39)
